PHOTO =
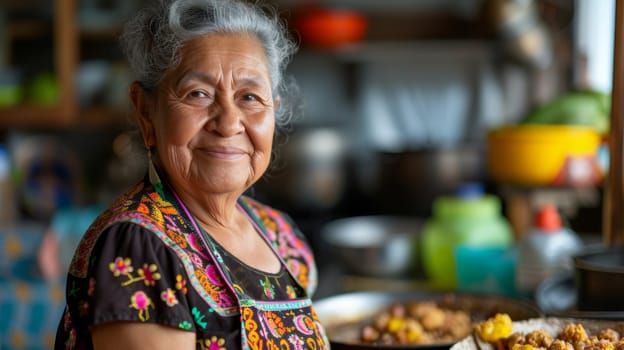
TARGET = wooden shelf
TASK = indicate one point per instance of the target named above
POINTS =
(104, 116)
(32, 116)
(100, 34)
(62, 31)
(28, 30)
(56, 117)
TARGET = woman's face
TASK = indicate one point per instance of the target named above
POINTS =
(213, 120)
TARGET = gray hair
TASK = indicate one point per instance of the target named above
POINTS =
(152, 40)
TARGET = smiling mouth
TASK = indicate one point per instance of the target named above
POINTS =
(223, 153)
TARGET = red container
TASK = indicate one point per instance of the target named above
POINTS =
(329, 28)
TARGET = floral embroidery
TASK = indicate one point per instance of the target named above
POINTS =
(142, 208)
(121, 266)
(73, 290)
(141, 302)
(268, 287)
(197, 261)
(181, 284)
(186, 325)
(83, 307)
(91, 289)
(149, 274)
(71, 341)
(168, 296)
(276, 324)
(199, 318)
(161, 218)
(291, 292)
(66, 319)
(214, 343)
(296, 341)
(213, 275)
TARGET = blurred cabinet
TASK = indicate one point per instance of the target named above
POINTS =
(46, 44)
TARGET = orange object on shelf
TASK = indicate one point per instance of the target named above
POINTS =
(329, 28)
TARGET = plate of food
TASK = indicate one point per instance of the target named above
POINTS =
(501, 333)
(410, 320)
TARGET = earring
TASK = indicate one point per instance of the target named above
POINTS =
(153, 174)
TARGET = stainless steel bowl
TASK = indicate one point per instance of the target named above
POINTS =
(377, 246)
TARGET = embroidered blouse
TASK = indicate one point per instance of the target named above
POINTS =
(145, 260)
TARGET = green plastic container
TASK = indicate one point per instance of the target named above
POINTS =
(469, 218)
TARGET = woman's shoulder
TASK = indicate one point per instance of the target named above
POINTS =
(137, 206)
(267, 213)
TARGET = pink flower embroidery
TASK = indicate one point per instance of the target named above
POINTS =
(213, 343)
(149, 274)
(213, 275)
(121, 266)
(168, 296)
(141, 302)
(196, 260)
(91, 287)
(83, 307)
(66, 319)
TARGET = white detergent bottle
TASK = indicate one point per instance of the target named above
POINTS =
(546, 249)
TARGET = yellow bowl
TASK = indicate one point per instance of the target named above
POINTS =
(542, 155)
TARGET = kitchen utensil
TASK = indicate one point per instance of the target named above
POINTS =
(600, 279)
(309, 171)
(543, 155)
(557, 296)
(343, 315)
(407, 182)
(377, 245)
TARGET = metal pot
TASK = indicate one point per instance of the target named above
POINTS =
(309, 172)
(599, 279)
(378, 246)
(407, 182)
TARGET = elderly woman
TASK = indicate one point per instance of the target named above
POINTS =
(184, 259)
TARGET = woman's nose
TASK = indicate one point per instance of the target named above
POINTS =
(227, 119)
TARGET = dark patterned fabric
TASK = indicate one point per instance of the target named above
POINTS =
(146, 260)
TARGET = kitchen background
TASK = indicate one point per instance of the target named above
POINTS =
(392, 120)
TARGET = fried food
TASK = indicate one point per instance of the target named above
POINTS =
(417, 323)
(572, 336)
(494, 328)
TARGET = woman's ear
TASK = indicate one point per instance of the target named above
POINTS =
(140, 101)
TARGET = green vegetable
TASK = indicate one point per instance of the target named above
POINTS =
(588, 108)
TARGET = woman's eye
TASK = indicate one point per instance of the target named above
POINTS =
(198, 94)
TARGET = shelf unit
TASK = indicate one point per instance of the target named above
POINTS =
(66, 42)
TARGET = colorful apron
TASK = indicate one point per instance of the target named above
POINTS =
(274, 324)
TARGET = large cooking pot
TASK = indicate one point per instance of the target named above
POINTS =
(592, 290)
(407, 182)
(599, 279)
(344, 315)
(308, 171)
